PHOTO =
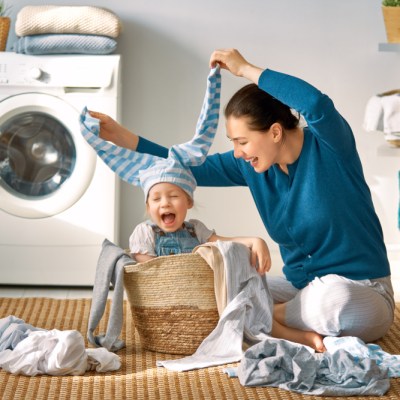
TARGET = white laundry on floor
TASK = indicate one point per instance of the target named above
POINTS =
(27, 350)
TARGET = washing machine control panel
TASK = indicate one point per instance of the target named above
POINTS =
(23, 74)
(35, 73)
(3, 73)
(48, 71)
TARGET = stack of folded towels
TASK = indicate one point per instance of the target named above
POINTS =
(51, 29)
(382, 114)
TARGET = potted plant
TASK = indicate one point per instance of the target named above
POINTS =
(391, 16)
(5, 22)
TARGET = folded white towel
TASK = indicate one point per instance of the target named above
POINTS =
(373, 117)
(391, 114)
(36, 20)
(382, 114)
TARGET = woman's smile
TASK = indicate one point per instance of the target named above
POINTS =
(252, 160)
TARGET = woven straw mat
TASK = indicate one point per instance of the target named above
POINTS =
(138, 378)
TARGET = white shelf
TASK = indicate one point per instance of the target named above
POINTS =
(393, 47)
(388, 150)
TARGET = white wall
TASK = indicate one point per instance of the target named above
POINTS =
(166, 45)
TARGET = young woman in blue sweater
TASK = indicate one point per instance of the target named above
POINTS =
(309, 188)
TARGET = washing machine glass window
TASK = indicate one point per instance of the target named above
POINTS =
(37, 154)
(46, 165)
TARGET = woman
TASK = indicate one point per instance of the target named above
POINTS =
(310, 191)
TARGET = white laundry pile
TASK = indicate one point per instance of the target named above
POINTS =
(27, 350)
(382, 114)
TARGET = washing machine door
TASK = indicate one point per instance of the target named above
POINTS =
(45, 163)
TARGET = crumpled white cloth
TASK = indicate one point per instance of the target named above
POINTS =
(27, 350)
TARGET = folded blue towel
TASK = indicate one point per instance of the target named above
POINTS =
(64, 44)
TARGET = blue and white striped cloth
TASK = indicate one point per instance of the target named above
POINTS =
(146, 170)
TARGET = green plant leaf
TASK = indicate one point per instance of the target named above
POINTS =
(391, 3)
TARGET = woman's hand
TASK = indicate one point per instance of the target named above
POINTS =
(114, 132)
(260, 257)
(234, 62)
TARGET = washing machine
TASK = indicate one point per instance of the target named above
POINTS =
(58, 202)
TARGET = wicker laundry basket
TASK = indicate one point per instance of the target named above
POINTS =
(172, 302)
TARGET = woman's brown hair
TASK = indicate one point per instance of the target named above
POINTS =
(260, 109)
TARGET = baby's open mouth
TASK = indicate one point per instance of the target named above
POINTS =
(168, 218)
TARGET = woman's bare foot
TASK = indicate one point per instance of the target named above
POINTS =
(308, 338)
(312, 339)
